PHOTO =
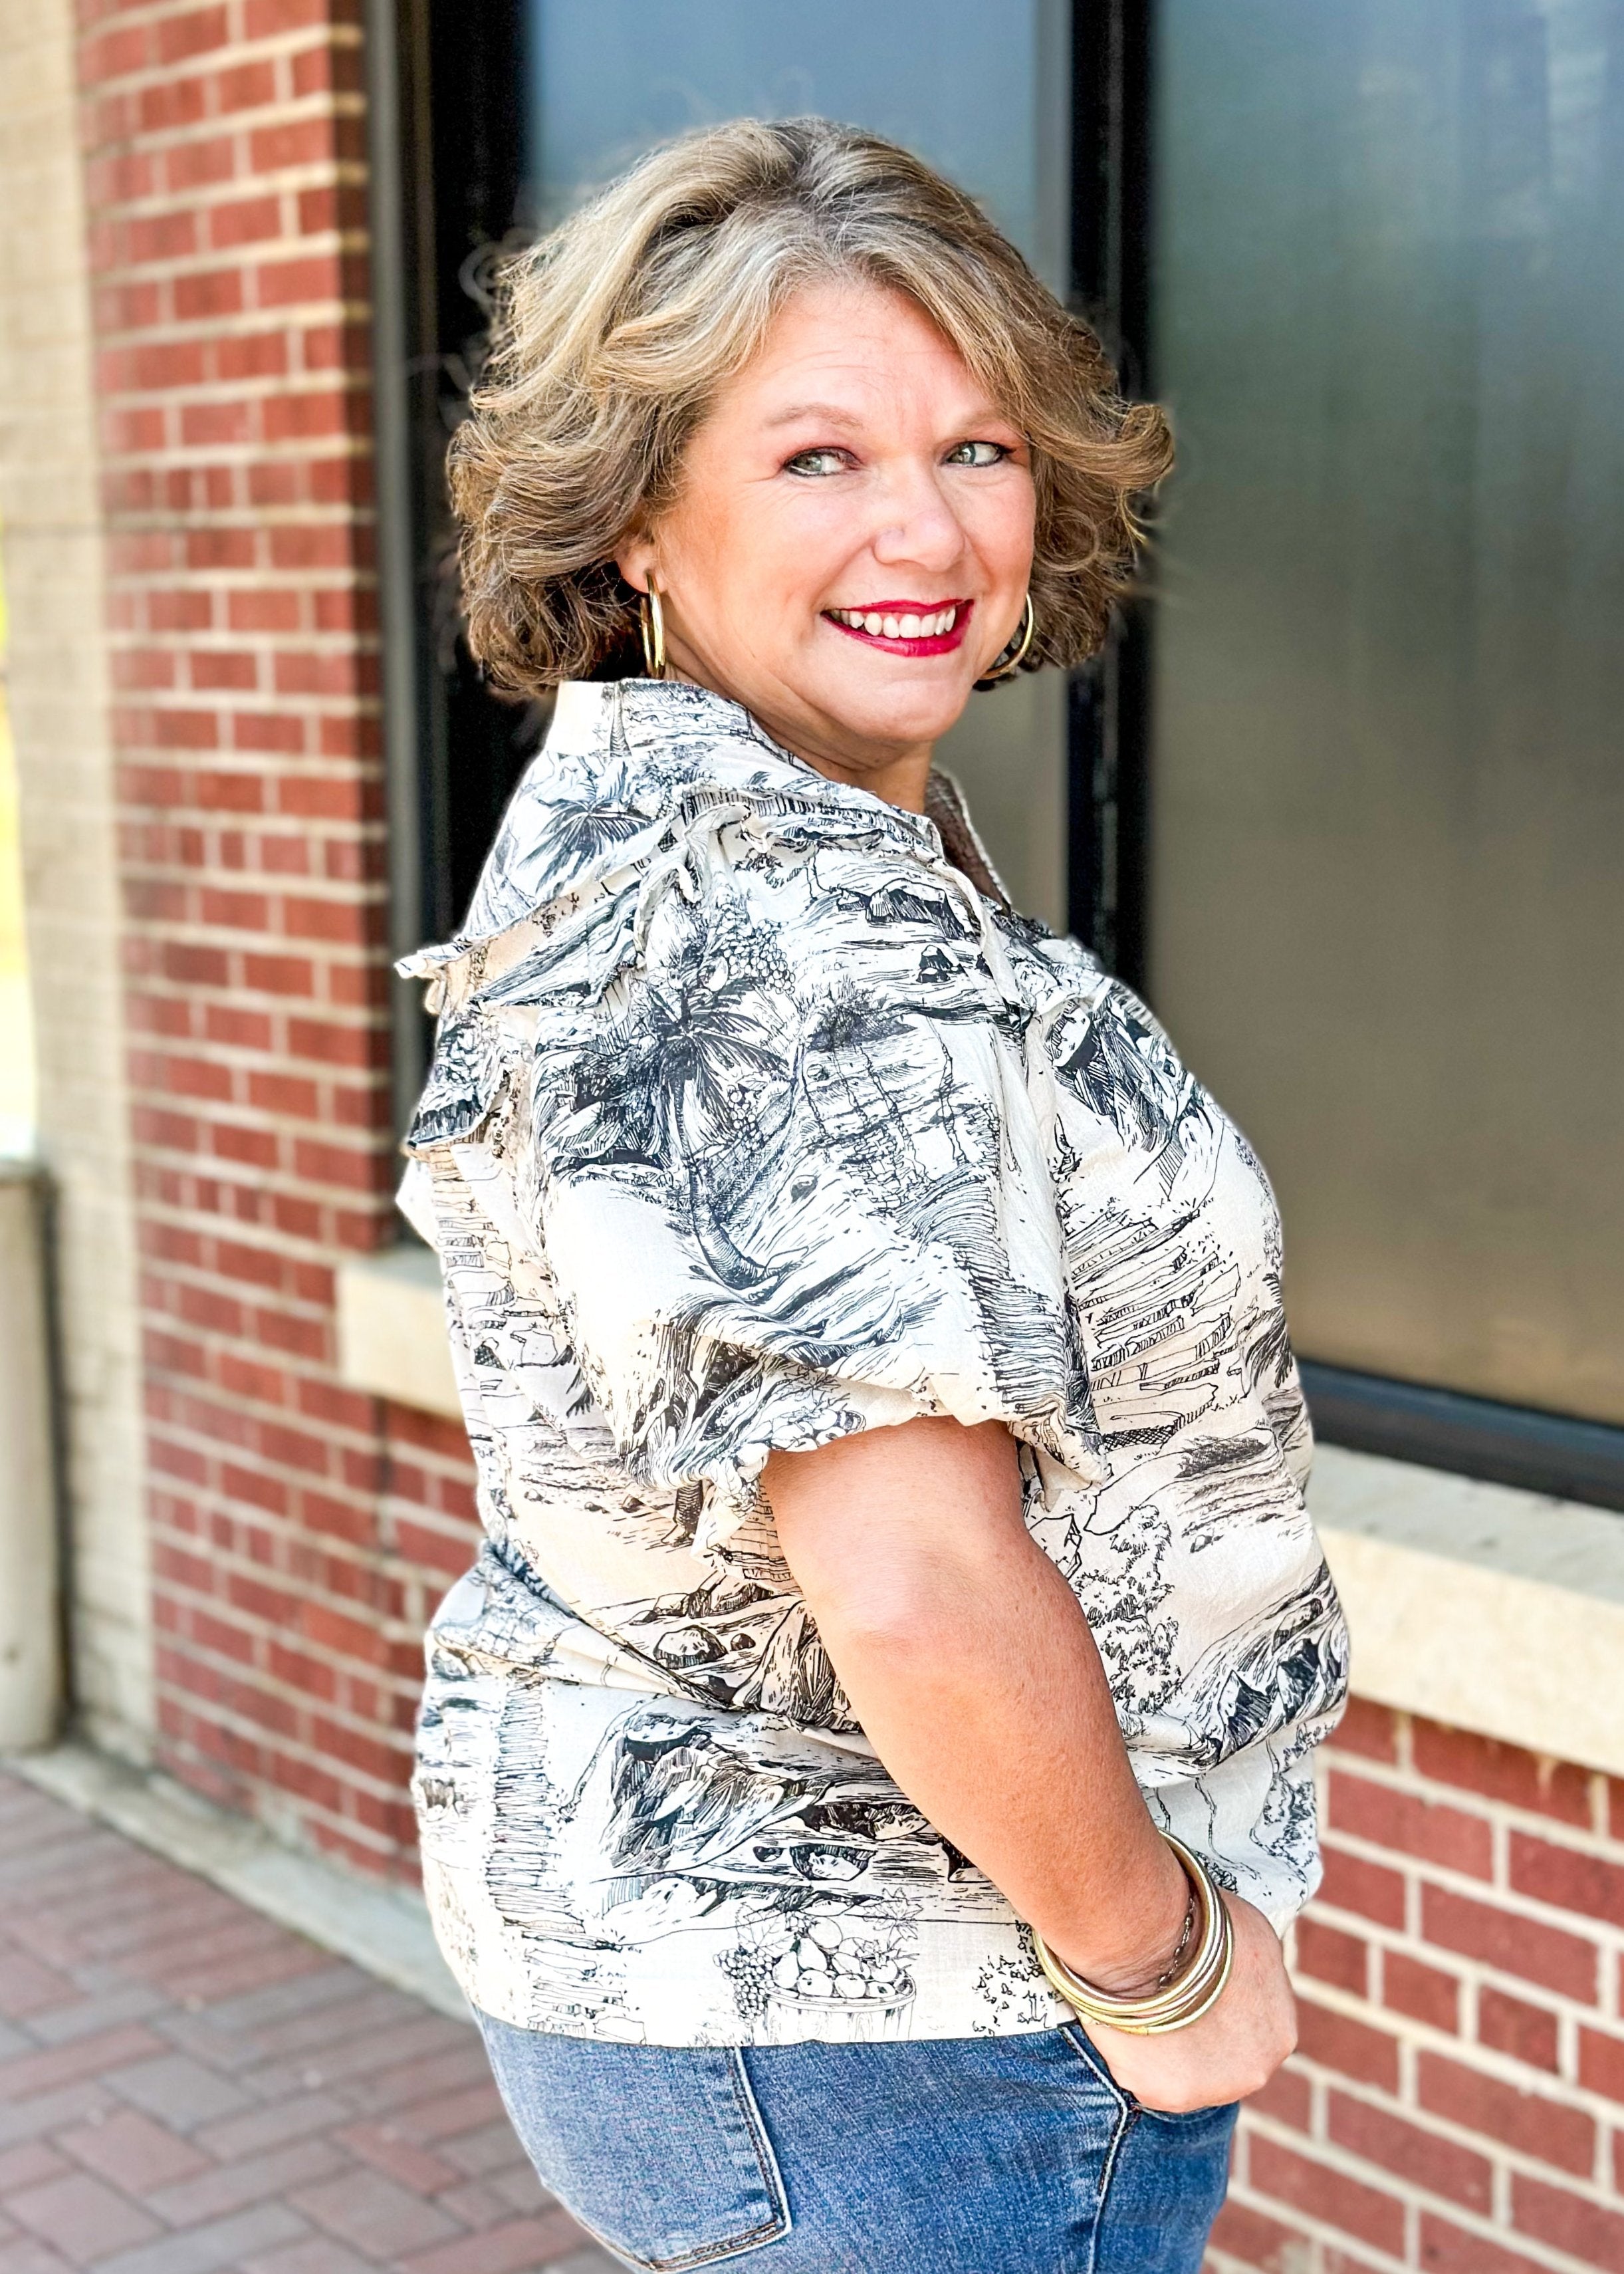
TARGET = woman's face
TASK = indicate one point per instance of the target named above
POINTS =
(852, 542)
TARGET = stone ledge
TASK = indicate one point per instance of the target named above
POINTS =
(392, 1329)
(1491, 1609)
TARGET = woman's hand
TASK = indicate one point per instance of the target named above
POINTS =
(1229, 2052)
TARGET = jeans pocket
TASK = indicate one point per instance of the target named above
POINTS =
(658, 2150)
(1164, 2179)
(1218, 2117)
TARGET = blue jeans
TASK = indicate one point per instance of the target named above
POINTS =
(945, 2156)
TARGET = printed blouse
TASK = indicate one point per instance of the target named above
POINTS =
(756, 1118)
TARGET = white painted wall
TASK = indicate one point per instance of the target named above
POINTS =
(50, 532)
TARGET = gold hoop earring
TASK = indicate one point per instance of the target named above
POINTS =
(1010, 662)
(651, 623)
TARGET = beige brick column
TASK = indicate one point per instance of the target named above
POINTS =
(50, 527)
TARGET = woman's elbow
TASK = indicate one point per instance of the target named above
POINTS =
(901, 1622)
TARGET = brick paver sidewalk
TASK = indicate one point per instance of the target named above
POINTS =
(186, 2087)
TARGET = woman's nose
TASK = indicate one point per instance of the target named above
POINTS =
(917, 521)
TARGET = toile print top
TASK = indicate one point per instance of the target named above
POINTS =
(756, 1118)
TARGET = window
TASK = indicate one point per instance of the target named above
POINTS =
(1347, 802)
(1385, 872)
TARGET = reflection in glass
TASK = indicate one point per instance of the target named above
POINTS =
(1387, 916)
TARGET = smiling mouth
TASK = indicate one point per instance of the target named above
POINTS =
(906, 626)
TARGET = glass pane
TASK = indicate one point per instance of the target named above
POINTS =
(984, 97)
(1388, 893)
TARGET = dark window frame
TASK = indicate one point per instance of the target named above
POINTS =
(440, 102)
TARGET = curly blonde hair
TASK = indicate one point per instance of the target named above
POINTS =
(616, 333)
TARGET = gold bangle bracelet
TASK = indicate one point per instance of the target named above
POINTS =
(1193, 1992)
(1193, 1979)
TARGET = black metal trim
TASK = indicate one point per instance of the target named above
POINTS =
(1553, 1453)
(1108, 721)
(399, 192)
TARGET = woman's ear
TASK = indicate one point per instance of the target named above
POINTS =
(635, 560)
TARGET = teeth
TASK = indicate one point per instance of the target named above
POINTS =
(907, 625)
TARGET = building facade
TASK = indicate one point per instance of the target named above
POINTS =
(1346, 801)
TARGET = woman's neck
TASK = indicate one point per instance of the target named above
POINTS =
(896, 772)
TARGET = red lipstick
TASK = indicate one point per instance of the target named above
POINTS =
(934, 643)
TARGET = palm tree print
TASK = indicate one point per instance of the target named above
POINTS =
(752, 1127)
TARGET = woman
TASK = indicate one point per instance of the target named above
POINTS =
(870, 1336)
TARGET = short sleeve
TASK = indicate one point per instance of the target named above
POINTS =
(788, 1179)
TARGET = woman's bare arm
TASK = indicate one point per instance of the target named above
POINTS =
(970, 1665)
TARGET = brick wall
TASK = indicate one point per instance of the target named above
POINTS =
(298, 1530)
(1458, 2100)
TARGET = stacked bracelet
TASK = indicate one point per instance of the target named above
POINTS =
(1194, 1988)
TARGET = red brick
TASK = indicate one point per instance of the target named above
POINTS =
(1352, 2048)
(245, 221)
(246, 87)
(29, 2161)
(214, 668)
(270, 611)
(1330, 1955)
(47, 2070)
(134, 2152)
(179, 612)
(223, 792)
(1446, 2249)
(330, 674)
(1368, 2214)
(1511, 2025)
(170, 101)
(264, 20)
(1512, 1943)
(1568, 1879)
(1424, 1993)
(293, 142)
(127, 175)
(1352, 1883)
(1391, 1819)
(258, 730)
(251, 355)
(1369, 1731)
(1588, 2231)
(1601, 2063)
(175, 38)
(1502, 1772)
(317, 70)
(114, 55)
(1258, 2242)
(1288, 2097)
(216, 548)
(434, 1552)
(208, 292)
(205, 161)
(1540, 2126)
(1422, 2158)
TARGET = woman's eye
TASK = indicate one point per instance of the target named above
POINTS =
(978, 454)
(816, 462)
